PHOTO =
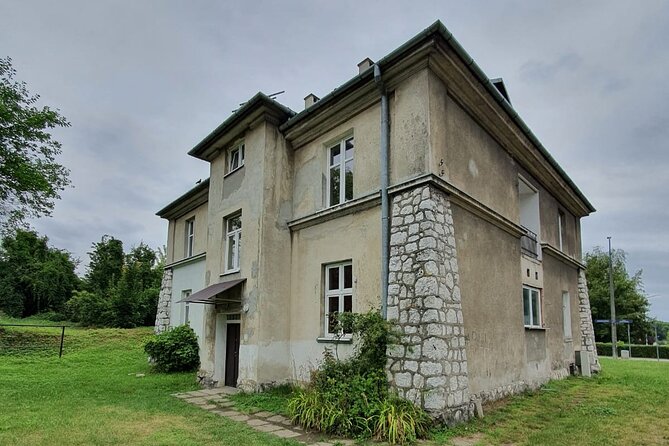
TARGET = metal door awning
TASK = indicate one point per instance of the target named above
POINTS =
(215, 293)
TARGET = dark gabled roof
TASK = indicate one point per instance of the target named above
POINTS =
(438, 29)
(187, 202)
(260, 99)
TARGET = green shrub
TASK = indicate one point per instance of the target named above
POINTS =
(351, 397)
(638, 351)
(174, 350)
(89, 309)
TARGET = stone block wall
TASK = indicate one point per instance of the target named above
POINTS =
(430, 367)
(587, 329)
(164, 302)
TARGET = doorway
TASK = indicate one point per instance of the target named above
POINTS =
(232, 354)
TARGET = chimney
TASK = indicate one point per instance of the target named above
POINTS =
(365, 65)
(310, 100)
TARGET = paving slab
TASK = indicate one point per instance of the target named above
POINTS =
(278, 419)
(268, 427)
(263, 414)
(256, 422)
(239, 417)
(285, 433)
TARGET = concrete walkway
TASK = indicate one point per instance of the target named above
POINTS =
(217, 402)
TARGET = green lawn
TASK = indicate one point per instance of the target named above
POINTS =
(627, 404)
(93, 396)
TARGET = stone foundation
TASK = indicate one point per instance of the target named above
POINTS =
(518, 387)
(430, 367)
(164, 302)
(587, 329)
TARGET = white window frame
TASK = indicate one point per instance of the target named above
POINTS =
(190, 237)
(234, 235)
(185, 294)
(562, 224)
(237, 149)
(339, 292)
(342, 169)
(533, 323)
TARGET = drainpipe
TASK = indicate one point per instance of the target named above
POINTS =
(385, 207)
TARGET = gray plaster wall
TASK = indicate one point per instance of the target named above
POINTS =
(489, 261)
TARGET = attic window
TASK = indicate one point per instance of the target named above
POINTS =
(235, 157)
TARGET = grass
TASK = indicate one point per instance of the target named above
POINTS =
(627, 404)
(273, 400)
(95, 395)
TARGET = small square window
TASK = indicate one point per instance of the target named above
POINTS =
(532, 307)
(235, 157)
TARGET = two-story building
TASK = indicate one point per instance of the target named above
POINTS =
(414, 188)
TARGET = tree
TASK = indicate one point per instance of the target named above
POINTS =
(33, 276)
(135, 296)
(30, 178)
(631, 300)
(106, 265)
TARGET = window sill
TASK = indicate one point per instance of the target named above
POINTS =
(333, 340)
(227, 273)
(233, 171)
(535, 328)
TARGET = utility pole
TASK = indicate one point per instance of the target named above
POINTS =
(614, 336)
(657, 343)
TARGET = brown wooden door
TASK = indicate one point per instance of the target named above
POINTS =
(232, 355)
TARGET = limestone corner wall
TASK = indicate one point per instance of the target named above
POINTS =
(587, 330)
(430, 367)
(164, 302)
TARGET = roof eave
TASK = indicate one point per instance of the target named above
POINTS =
(438, 28)
(180, 206)
(258, 100)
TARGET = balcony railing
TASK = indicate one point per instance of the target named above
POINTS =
(528, 243)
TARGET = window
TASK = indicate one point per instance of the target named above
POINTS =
(532, 306)
(185, 294)
(561, 230)
(566, 314)
(233, 239)
(190, 236)
(236, 157)
(529, 218)
(338, 294)
(340, 159)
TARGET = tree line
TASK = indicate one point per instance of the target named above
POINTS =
(631, 301)
(119, 289)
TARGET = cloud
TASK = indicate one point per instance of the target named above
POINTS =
(143, 82)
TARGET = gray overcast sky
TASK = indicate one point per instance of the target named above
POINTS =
(144, 81)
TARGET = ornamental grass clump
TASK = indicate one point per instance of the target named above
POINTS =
(351, 397)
